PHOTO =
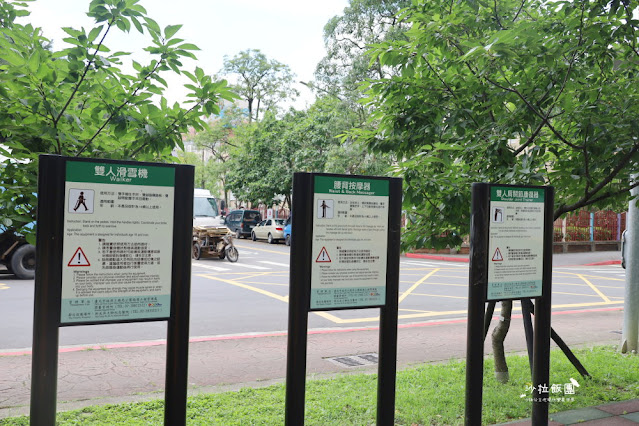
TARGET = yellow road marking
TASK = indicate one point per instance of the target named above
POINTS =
(439, 295)
(261, 249)
(596, 290)
(267, 284)
(590, 276)
(248, 287)
(414, 286)
(575, 294)
(4, 286)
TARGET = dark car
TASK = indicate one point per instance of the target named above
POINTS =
(242, 222)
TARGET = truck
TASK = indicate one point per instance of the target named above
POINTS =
(206, 211)
(18, 256)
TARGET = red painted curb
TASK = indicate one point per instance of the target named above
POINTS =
(283, 333)
(605, 262)
(437, 257)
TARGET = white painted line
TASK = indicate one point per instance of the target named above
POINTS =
(251, 266)
(285, 265)
(213, 268)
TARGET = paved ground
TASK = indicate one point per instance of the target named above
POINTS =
(115, 373)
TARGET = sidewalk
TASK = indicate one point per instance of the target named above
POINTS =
(129, 372)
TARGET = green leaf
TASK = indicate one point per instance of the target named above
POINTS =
(171, 30)
(188, 46)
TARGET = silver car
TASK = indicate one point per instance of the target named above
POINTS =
(271, 230)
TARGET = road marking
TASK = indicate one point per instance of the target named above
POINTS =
(4, 286)
(213, 268)
(252, 266)
(439, 295)
(596, 290)
(286, 253)
(248, 287)
(414, 286)
(285, 265)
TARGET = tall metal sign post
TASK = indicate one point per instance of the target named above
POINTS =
(113, 246)
(344, 255)
(511, 237)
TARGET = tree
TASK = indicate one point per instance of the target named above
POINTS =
(269, 152)
(261, 82)
(217, 139)
(78, 102)
(347, 38)
(526, 92)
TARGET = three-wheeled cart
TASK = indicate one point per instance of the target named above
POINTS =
(213, 241)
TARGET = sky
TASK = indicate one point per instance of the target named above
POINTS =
(288, 31)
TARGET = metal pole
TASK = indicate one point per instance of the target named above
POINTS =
(387, 367)
(630, 333)
(299, 298)
(177, 350)
(48, 290)
(541, 355)
(526, 311)
(476, 303)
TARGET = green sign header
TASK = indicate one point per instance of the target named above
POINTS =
(128, 173)
(346, 185)
(516, 195)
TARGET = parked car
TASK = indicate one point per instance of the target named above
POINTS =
(242, 222)
(623, 249)
(287, 230)
(271, 230)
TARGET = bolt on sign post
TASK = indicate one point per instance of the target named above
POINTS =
(344, 255)
(511, 238)
(113, 246)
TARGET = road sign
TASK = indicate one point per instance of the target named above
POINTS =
(516, 242)
(120, 216)
(350, 223)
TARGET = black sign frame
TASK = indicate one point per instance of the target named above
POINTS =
(48, 289)
(300, 298)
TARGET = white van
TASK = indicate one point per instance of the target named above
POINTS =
(205, 209)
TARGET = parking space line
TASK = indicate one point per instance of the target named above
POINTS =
(576, 294)
(439, 295)
(248, 287)
(417, 284)
(213, 268)
(595, 289)
(285, 265)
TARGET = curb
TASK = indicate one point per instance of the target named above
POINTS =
(605, 262)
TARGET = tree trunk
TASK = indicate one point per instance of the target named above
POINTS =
(498, 337)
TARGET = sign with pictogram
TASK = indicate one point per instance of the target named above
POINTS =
(323, 256)
(79, 259)
(516, 239)
(117, 219)
(497, 257)
(351, 223)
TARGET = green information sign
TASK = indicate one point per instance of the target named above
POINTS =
(350, 242)
(516, 243)
(118, 233)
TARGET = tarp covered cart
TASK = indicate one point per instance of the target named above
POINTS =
(213, 241)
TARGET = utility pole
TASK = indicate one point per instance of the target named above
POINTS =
(630, 334)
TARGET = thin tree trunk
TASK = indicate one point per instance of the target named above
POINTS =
(498, 337)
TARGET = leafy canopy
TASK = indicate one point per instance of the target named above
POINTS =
(511, 92)
(78, 101)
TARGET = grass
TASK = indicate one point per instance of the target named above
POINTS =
(431, 394)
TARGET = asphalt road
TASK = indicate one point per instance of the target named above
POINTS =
(251, 296)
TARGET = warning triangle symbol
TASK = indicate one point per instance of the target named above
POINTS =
(497, 257)
(79, 259)
(323, 256)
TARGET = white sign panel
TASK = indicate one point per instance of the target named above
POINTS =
(350, 242)
(516, 243)
(118, 242)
